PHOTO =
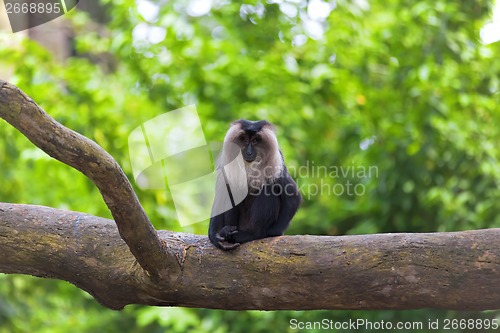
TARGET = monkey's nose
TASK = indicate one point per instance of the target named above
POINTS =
(249, 150)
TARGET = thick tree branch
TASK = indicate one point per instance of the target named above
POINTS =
(89, 158)
(459, 270)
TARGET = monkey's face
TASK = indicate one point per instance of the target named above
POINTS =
(253, 138)
(250, 145)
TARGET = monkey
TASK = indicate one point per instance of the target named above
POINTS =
(264, 197)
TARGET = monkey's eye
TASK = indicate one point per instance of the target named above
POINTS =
(255, 141)
(243, 139)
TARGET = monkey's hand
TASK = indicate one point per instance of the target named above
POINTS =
(224, 237)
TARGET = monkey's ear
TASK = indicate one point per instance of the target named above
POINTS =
(237, 122)
(270, 126)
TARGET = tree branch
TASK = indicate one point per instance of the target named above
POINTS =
(387, 271)
(458, 270)
(89, 158)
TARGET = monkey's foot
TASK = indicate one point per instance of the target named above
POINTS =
(228, 246)
(222, 239)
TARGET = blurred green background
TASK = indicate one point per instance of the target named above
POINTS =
(406, 87)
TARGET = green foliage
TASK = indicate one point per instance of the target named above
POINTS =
(405, 88)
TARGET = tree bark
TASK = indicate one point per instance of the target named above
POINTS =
(459, 270)
(90, 159)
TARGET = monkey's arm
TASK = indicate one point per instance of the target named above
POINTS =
(216, 224)
(290, 200)
(223, 225)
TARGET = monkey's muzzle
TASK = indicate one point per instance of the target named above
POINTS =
(249, 153)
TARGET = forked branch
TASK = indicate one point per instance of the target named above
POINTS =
(88, 157)
(458, 271)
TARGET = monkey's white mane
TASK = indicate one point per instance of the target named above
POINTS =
(272, 165)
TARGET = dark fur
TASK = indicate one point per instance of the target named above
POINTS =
(272, 201)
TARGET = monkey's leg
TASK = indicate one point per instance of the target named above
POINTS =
(290, 200)
(244, 236)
